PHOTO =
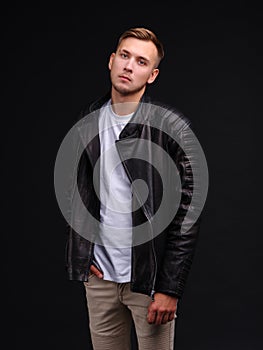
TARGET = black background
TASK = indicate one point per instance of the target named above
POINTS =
(57, 62)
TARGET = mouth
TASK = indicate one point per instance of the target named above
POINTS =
(124, 77)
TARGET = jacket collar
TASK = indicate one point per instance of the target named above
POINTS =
(97, 104)
(132, 128)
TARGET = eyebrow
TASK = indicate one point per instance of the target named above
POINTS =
(140, 57)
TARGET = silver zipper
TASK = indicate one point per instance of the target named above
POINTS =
(148, 218)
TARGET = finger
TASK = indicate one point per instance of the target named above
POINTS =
(93, 269)
(172, 316)
(151, 316)
(159, 318)
(165, 318)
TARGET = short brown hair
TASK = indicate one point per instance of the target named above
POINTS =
(146, 35)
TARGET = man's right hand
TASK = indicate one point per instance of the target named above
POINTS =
(95, 271)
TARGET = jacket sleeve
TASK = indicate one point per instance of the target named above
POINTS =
(75, 264)
(182, 232)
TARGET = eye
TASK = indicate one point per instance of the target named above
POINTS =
(124, 55)
(142, 62)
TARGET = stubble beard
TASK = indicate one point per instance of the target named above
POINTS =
(126, 91)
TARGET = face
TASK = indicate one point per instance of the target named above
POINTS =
(132, 67)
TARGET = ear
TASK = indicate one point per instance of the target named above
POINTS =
(153, 75)
(110, 60)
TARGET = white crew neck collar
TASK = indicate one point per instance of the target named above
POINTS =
(118, 117)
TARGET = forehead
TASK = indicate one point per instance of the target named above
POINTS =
(139, 48)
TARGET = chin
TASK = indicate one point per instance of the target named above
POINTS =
(122, 90)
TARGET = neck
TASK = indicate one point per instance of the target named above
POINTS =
(125, 104)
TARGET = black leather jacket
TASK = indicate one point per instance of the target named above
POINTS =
(163, 261)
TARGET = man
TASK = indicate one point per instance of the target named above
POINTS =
(129, 273)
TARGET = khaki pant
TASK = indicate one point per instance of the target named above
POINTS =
(111, 307)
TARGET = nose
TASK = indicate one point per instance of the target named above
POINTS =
(128, 65)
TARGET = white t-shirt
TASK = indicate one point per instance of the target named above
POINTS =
(113, 257)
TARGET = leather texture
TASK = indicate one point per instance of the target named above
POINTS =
(162, 262)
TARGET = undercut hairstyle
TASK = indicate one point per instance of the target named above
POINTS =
(146, 35)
